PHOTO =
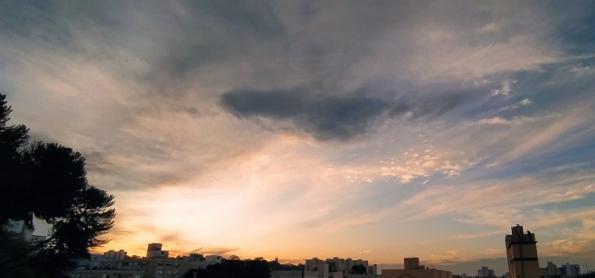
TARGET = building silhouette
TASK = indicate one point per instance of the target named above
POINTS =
(551, 270)
(521, 251)
(154, 251)
(486, 272)
(570, 270)
(334, 268)
(412, 269)
(411, 263)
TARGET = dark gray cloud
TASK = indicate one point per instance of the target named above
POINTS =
(333, 117)
(324, 116)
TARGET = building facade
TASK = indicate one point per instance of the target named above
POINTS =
(521, 252)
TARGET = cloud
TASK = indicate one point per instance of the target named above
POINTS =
(411, 164)
(494, 121)
(565, 247)
(515, 120)
(219, 250)
(477, 235)
(504, 89)
(497, 204)
(324, 116)
(333, 115)
(540, 219)
(525, 102)
(573, 119)
(576, 241)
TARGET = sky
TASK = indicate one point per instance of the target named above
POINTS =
(297, 129)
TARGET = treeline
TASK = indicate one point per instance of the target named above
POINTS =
(236, 268)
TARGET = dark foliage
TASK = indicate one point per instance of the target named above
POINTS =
(11, 244)
(196, 273)
(275, 265)
(359, 269)
(56, 177)
(46, 181)
(12, 139)
(235, 268)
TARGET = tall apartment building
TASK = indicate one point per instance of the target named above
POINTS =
(521, 251)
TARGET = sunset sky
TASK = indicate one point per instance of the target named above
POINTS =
(294, 129)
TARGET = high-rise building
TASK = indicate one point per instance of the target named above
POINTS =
(521, 251)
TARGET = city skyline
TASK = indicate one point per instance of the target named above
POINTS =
(297, 129)
(520, 258)
(485, 267)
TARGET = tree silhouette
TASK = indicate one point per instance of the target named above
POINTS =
(359, 269)
(60, 195)
(233, 268)
(12, 139)
(47, 181)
